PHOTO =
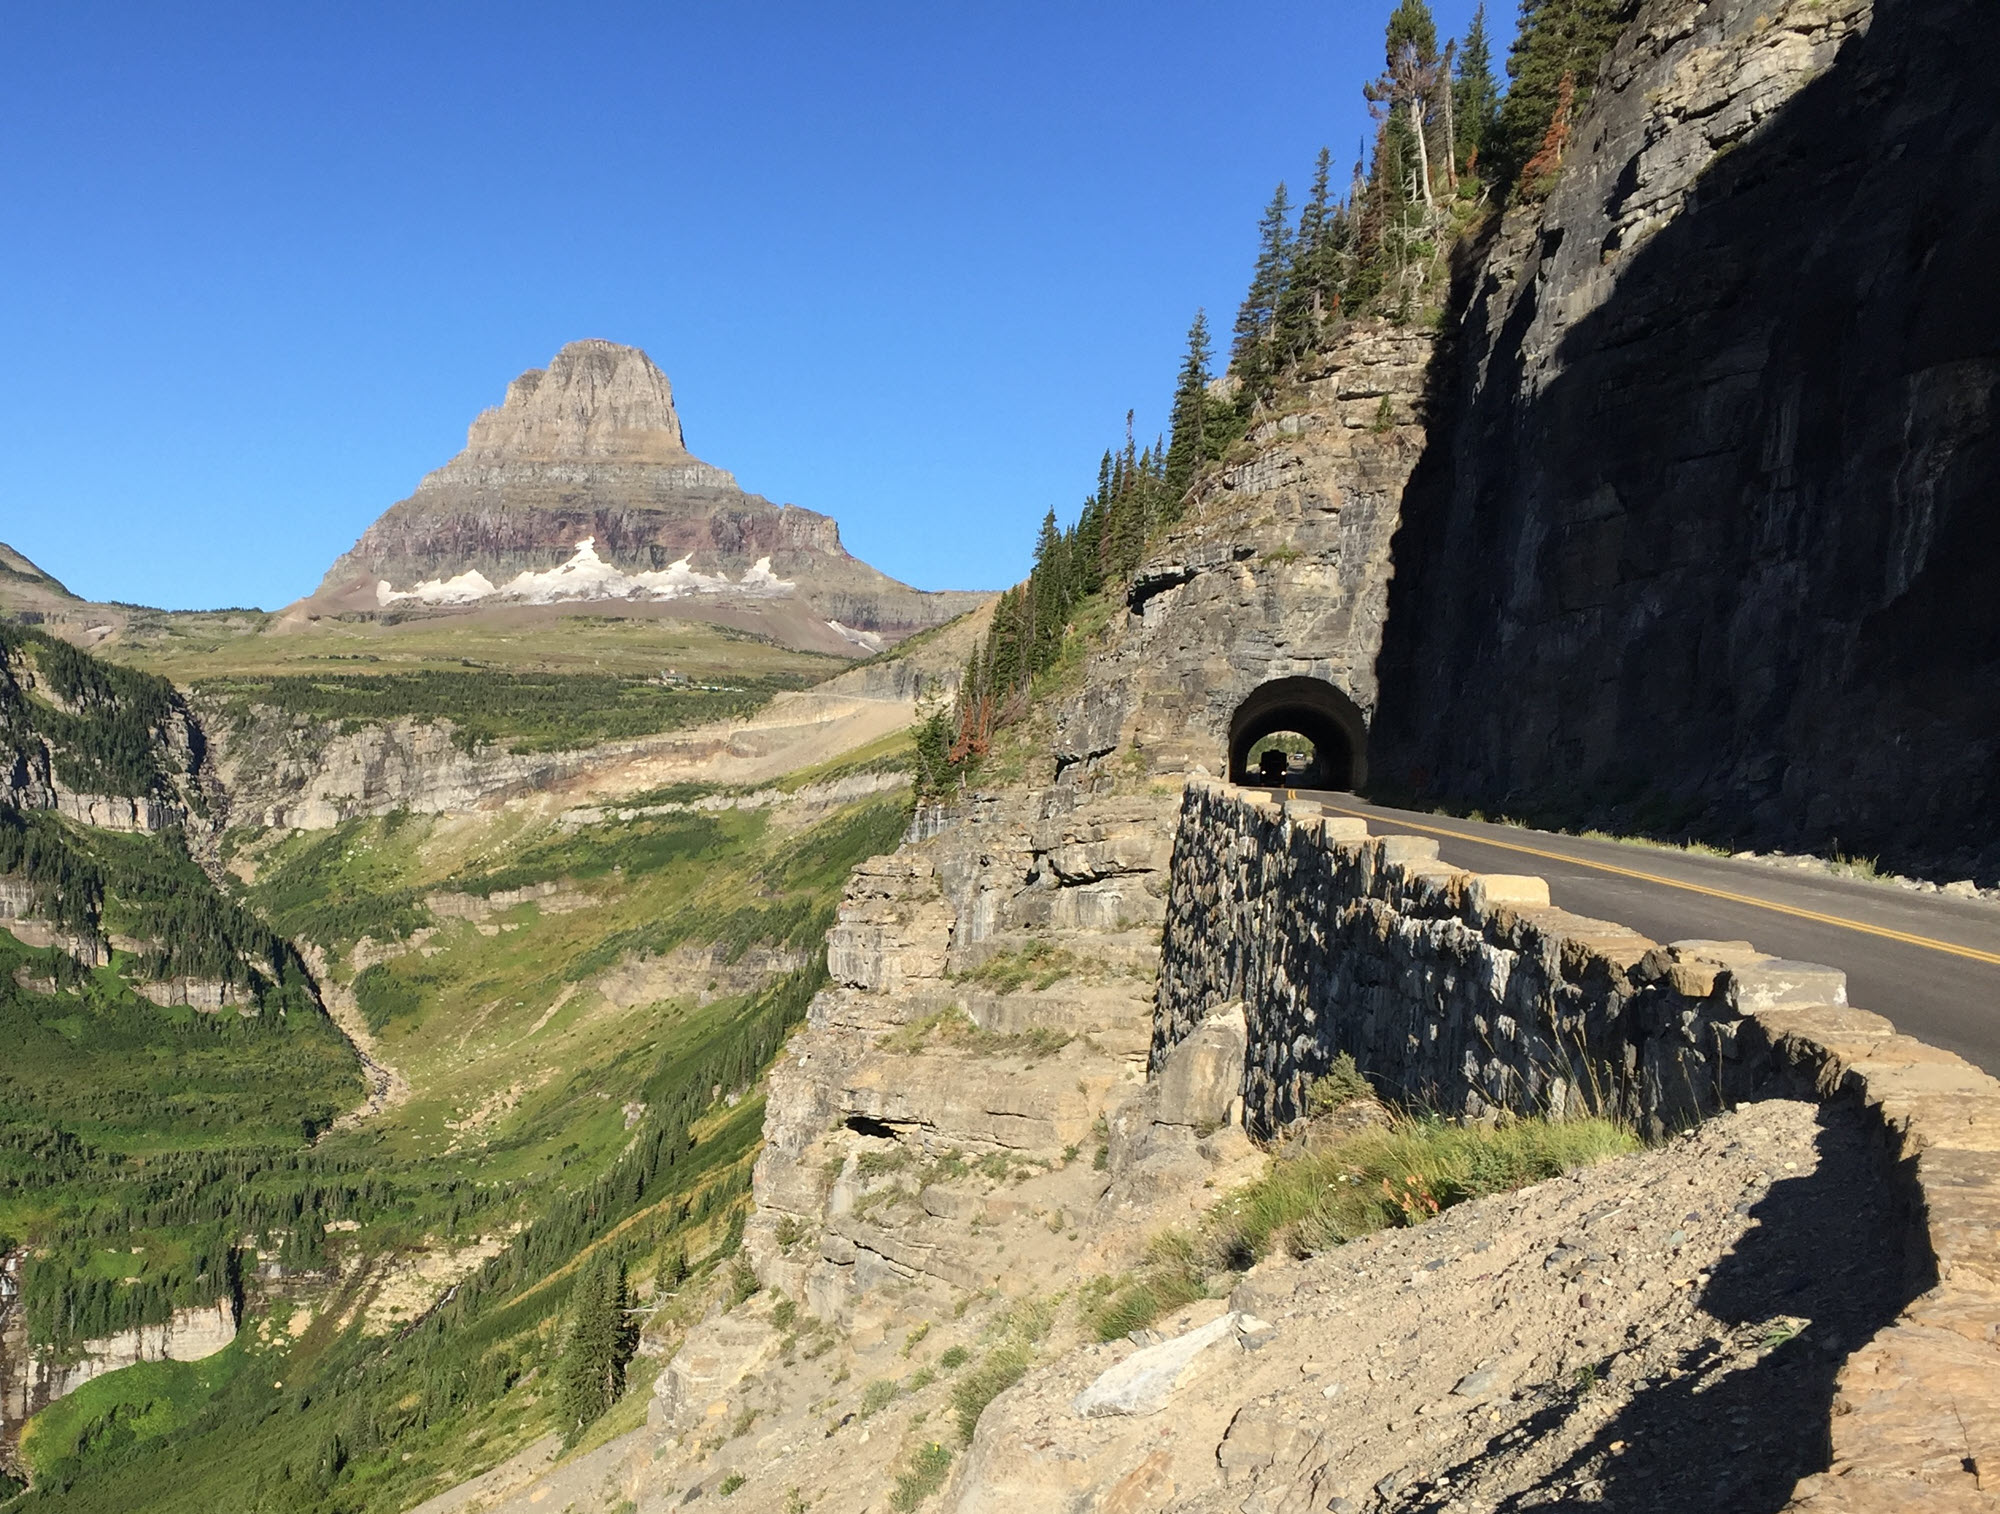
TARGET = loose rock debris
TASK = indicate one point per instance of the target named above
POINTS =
(1659, 1332)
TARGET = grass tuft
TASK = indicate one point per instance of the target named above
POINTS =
(1375, 1180)
(995, 1375)
(924, 1476)
(1398, 1175)
(877, 1396)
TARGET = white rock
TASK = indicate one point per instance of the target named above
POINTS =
(1145, 1380)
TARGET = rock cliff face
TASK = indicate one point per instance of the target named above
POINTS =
(1704, 525)
(1683, 493)
(580, 487)
(31, 1380)
(915, 1052)
(1279, 569)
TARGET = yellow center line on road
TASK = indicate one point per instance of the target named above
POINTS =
(1992, 959)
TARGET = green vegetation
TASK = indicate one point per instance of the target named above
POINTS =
(580, 1113)
(877, 1396)
(103, 726)
(1340, 1084)
(93, 884)
(1040, 964)
(1000, 1370)
(334, 887)
(953, 1027)
(113, 1110)
(597, 1346)
(112, 1413)
(1553, 67)
(197, 648)
(924, 1475)
(1121, 1306)
(1401, 1174)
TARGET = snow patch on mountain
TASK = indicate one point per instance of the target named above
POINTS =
(587, 576)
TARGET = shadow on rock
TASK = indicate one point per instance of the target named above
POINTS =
(1738, 1420)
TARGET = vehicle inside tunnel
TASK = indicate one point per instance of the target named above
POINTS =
(1298, 733)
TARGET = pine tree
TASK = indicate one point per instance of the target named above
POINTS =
(1475, 95)
(1188, 449)
(590, 1372)
(1049, 584)
(1379, 219)
(1249, 356)
(1556, 38)
(1309, 292)
(1416, 79)
(1411, 26)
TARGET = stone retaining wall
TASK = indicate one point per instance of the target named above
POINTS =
(1468, 992)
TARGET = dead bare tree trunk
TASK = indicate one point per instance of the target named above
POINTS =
(1423, 150)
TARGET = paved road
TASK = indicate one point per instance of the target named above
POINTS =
(1929, 963)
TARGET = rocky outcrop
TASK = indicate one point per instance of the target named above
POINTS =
(1700, 532)
(1659, 1332)
(36, 598)
(579, 488)
(209, 995)
(32, 1378)
(928, 1058)
(1280, 567)
(292, 772)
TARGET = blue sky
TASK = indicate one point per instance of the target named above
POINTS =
(905, 264)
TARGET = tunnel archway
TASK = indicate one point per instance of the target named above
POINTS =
(1310, 707)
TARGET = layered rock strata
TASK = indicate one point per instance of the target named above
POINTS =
(1280, 567)
(296, 773)
(991, 1001)
(1701, 527)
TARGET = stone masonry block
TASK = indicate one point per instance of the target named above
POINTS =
(1774, 982)
(1521, 889)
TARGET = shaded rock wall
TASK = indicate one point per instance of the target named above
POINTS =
(1704, 525)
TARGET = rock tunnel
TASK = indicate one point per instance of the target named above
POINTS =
(1314, 709)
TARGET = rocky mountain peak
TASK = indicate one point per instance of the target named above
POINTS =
(578, 488)
(597, 401)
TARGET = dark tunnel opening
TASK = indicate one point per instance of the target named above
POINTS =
(1334, 744)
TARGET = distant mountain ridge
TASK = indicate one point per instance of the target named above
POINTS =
(35, 597)
(578, 488)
